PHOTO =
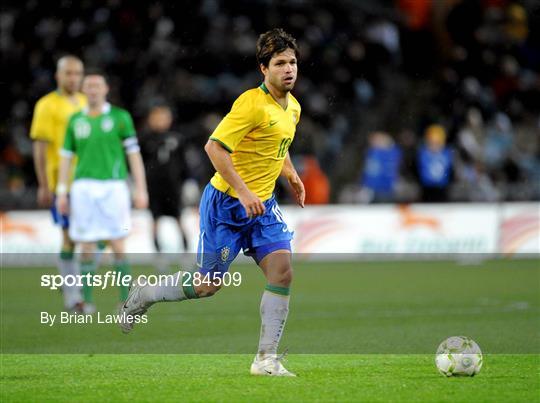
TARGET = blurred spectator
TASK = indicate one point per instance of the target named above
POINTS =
(315, 181)
(516, 26)
(381, 169)
(435, 164)
(164, 161)
(474, 183)
(471, 137)
(498, 142)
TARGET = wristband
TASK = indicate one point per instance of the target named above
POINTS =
(61, 189)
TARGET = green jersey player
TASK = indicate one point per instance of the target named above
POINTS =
(100, 136)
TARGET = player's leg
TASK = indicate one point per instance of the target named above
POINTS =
(88, 270)
(273, 255)
(155, 223)
(274, 310)
(99, 253)
(183, 233)
(171, 206)
(179, 286)
(80, 228)
(121, 265)
(155, 202)
(157, 206)
(213, 256)
(67, 264)
(184, 285)
(160, 263)
(278, 271)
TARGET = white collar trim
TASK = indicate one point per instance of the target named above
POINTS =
(106, 108)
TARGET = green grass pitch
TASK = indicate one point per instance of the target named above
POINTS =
(357, 331)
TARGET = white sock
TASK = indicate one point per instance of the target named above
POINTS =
(171, 290)
(274, 310)
(71, 294)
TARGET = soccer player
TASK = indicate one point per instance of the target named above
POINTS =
(99, 204)
(48, 128)
(161, 150)
(249, 150)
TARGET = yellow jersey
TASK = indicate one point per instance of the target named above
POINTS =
(49, 123)
(258, 133)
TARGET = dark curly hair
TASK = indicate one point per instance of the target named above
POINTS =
(272, 42)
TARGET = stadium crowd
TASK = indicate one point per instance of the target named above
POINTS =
(402, 100)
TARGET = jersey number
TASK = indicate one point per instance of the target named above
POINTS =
(284, 147)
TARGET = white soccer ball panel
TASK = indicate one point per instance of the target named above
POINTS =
(445, 364)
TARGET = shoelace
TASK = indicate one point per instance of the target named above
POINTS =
(282, 357)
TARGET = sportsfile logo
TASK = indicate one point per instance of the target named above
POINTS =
(116, 279)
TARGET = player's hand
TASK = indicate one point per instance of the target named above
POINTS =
(298, 189)
(62, 204)
(44, 197)
(252, 204)
(140, 199)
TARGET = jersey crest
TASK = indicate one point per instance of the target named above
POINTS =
(82, 129)
(107, 124)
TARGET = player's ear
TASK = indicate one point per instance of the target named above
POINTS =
(263, 68)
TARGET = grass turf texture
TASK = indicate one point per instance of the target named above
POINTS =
(343, 312)
(185, 378)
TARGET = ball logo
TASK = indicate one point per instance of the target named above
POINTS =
(107, 124)
(466, 362)
(82, 129)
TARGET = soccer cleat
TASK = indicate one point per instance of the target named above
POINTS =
(88, 309)
(75, 307)
(133, 305)
(270, 366)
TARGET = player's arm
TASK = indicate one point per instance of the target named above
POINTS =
(62, 203)
(241, 119)
(44, 196)
(40, 133)
(289, 172)
(66, 155)
(136, 166)
(222, 162)
(135, 161)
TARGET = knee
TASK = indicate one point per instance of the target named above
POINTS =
(285, 277)
(205, 290)
(67, 244)
(87, 251)
(119, 256)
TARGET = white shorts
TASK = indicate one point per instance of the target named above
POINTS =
(99, 210)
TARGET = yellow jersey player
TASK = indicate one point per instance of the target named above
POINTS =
(51, 115)
(249, 150)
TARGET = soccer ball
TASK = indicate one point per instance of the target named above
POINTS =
(459, 356)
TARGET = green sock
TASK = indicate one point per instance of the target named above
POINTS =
(276, 289)
(66, 254)
(87, 267)
(124, 269)
(189, 288)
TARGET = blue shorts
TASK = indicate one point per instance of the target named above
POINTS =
(225, 228)
(59, 219)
